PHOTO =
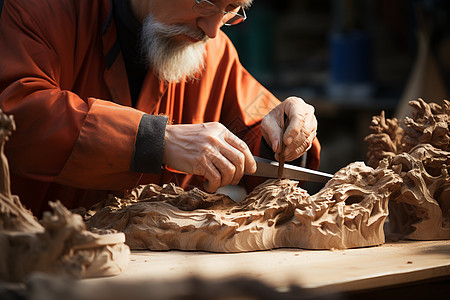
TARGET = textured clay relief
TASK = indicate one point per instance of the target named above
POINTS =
(59, 244)
(418, 150)
(348, 212)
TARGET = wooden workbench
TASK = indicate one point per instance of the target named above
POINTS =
(319, 271)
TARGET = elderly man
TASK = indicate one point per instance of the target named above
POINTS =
(110, 94)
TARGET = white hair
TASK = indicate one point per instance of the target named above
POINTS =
(171, 59)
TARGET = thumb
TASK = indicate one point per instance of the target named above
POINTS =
(272, 133)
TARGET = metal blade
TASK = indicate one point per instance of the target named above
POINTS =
(269, 168)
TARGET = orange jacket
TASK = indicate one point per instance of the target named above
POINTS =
(63, 78)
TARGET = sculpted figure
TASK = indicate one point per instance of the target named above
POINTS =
(348, 212)
(7, 126)
(13, 215)
(59, 244)
(419, 150)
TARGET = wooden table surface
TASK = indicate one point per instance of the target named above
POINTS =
(316, 270)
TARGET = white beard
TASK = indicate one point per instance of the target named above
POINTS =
(172, 60)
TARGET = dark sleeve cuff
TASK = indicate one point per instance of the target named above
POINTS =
(149, 147)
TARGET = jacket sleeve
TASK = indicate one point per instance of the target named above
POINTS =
(61, 137)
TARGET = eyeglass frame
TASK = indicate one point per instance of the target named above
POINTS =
(243, 15)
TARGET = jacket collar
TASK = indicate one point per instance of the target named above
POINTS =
(153, 89)
(115, 72)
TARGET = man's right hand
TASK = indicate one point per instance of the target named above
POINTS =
(208, 149)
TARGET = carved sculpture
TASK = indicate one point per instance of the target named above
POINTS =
(419, 152)
(412, 166)
(59, 244)
(429, 125)
(348, 212)
(421, 209)
(411, 171)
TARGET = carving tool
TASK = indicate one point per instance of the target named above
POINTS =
(269, 168)
(283, 148)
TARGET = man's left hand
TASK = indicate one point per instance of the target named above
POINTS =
(300, 133)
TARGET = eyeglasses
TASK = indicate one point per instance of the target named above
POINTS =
(232, 17)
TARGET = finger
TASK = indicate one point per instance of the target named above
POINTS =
(300, 123)
(299, 147)
(293, 130)
(212, 175)
(277, 157)
(237, 158)
(300, 114)
(297, 144)
(300, 136)
(237, 143)
(272, 131)
(225, 168)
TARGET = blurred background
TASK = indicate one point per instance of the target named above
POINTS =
(350, 59)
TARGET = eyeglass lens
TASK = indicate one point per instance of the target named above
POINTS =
(207, 8)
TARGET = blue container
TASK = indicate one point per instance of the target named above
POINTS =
(351, 57)
(350, 65)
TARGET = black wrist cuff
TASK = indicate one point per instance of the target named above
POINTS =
(149, 147)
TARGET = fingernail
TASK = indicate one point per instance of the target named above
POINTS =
(289, 140)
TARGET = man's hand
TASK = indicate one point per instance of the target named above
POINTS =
(208, 149)
(300, 133)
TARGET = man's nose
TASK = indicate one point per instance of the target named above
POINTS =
(211, 24)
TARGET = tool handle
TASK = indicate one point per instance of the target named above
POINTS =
(283, 148)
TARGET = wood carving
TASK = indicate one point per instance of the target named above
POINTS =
(419, 152)
(348, 212)
(421, 209)
(409, 167)
(59, 244)
(429, 124)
